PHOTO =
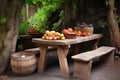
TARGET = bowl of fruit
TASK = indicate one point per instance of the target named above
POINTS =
(34, 31)
(69, 33)
(84, 29)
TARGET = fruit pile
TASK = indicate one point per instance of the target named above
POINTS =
(79, 33)
(32, 30)
(69, 33)
(52, 35)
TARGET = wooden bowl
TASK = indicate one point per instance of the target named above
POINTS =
(70, 36)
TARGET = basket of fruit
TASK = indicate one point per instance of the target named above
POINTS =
(34, 31)
(87, 29)
(69, 33)
(70, 36)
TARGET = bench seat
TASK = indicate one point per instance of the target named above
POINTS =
(83, 61)
(37, 50)
(90, 55)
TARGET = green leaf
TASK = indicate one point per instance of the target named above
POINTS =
(3, 20)
(43, 14)
(23, 28)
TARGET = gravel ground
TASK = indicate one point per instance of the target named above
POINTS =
(99, 72)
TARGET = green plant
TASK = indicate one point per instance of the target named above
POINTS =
(41, 18)
(57, 24)
(3, 20)
(23, 28)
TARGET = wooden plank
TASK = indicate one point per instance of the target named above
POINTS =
(38, 50)
(89, 55)
(67, 41)
(88, 38)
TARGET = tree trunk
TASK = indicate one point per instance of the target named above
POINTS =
(112, 24)
(10, 13)
(70, 13)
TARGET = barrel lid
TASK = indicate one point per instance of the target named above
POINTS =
(22, 55)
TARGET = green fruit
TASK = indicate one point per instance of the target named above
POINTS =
(47, 31)
(52, 32)
(62, 38)
(61, 35)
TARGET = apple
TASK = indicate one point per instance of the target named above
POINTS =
(62, 38)
(61, 35)
(70, 29)
(88, 34)
(83, 34)
(47, 32)
(65, 31)
(56, 33)
(58, 37)
(54, 38)
(50, 38)
(52, 32)
(78, 33)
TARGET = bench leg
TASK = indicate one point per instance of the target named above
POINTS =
(108, 59)
(82, 70)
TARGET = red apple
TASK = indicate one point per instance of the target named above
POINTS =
(70, 29)
(83, 34)
(65, 31)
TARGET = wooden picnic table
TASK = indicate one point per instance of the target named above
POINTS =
(62, 50)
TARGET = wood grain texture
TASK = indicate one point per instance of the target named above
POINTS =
(89, 55)
(67, 41)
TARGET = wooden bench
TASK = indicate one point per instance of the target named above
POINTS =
(83, 61)
(37, 50)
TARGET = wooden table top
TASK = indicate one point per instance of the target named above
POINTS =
(67, 41)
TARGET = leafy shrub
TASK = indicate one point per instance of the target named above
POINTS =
(23, 28)
(42, 18)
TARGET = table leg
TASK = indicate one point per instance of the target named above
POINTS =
(76, 49)
(95, 44)
(42, 59)
(62, 55)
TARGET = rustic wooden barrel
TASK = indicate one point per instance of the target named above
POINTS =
(23, 62)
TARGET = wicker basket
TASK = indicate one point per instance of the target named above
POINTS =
(85, 29)
(70, 36)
